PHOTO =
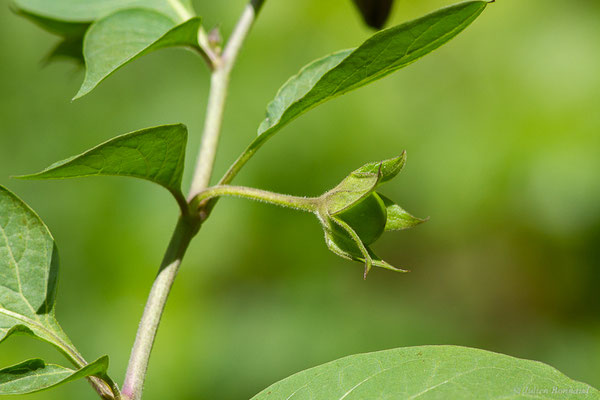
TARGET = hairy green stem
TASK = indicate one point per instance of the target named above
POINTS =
(188, 224)
(308, 204)
(217, 97)
(140, 355)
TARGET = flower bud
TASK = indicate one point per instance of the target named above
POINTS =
(354, 215)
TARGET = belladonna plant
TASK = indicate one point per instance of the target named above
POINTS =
(108, 35)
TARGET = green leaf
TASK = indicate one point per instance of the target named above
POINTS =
(387, 168)
(127, 35)
(91, 10)
(397, 218)
(343, 245)
(361, 182)
(350, 191)
(155, 154)
(35, 375)
(382, 54)
(28, 275)
(429, 372)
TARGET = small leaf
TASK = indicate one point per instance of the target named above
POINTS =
(155, 154)
(127, 35)
(91, 10)
(374, 12)
(340, 243)
(382, 54)
(429, 372)
(351, 190)
(397, 218)
(387, 168)
(35, 375)
(28, 274)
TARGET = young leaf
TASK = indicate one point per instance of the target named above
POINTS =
(28, 275)
(35, 375)
(91, 10)
(155, 154)
(382, 54)
(397, 218)
(429, 372)
(387, 168)
(127, 35)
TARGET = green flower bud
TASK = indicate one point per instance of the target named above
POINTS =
(354, 216)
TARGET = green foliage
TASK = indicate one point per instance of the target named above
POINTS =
(92, 10)
(429, 372)
(29, 274)
(127, 35)
(382, 54)
(35, 375)
(397, 218)
(108, 34)
(155, 154)
(29, 271)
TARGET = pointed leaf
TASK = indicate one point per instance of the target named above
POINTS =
(361, 182)
(35, 375)
(91, 10)
(126, 35)
(28, 274)
(382, 54)
(344, 246)
(155, 154)
(387, 168)
(352, 189)
(429, 372)
(397, 218)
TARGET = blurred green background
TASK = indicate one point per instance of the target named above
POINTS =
(502, 132)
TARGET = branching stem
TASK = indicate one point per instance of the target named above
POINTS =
(189, 223)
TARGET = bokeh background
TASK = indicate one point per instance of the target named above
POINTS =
(502, 132)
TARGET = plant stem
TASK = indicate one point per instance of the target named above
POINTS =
(299, 203)
(217, 97)
(188, 225)
(212, 128)
(138, 363)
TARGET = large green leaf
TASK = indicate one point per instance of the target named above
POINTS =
(35, 375)
(155, 154)
(126, 35)
(28, 275)
(91, 10)
(382, 54)
(429, 372)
